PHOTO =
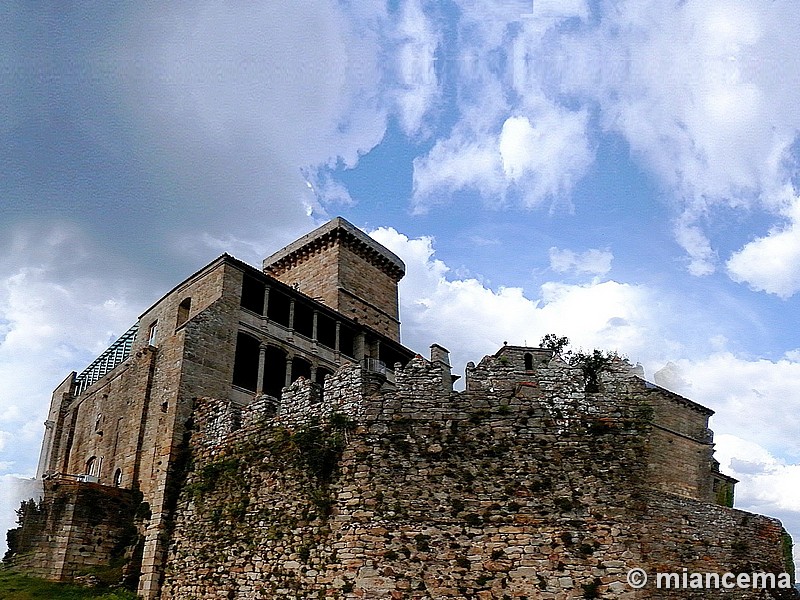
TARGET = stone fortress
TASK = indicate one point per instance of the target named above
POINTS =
(264, 434)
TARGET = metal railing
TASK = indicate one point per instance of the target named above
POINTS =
(118, 352)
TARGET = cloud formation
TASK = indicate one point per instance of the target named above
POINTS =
(591, 262)
(433, 302)
(703, 92)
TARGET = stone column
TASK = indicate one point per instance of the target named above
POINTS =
(266, 302)
(262, 359)
(359, 349)
(288, 381)
(291, 314)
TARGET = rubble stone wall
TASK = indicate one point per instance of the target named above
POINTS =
(78, 529)
(523, 486)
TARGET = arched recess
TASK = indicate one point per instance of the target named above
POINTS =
(245, 362)
(322, 372)
(274, 371)
(300, 368)
(183, 311)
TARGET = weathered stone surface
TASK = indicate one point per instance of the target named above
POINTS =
(543, 491)
(376, 480)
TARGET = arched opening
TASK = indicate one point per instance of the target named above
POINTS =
(322, 372)
(252, 295)
(245, 363)
(92, 466)
(300, 368)
(118, 478)
(274, 371)
(528, 361)
(183, 311)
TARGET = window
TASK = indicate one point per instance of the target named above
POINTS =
(326, 331)
(528, 361)
(278, 309)
(300, 368)
(303, 319)
(118, 478)
(252, 295)
(183, 311)
(347, 341)
(245, 365)
(322, 372)
(152, 333)
(92, 466)
(274, 371)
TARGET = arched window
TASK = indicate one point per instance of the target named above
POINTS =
(183, 311)
(274, 372)
(118, 478)
(245, 365)
(300, 368)
(322, 372)
(92, 466)
(528, 361)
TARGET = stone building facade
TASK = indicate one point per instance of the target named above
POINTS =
(264, 434)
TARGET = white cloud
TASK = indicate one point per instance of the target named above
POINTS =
(704, 92)
(592, 262)
(511, 140)
(698, 92)
(56, 317)
(418, 83)
(539, 156)
(753, 399)
(771, 263)
(432, 306)
(547, 153)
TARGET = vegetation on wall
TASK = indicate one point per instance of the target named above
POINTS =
(28, 512)
(593, 364)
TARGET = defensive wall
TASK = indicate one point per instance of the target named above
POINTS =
(522, 486)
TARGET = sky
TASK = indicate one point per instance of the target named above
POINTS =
(624, 173)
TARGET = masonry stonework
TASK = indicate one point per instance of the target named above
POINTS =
(263, 434)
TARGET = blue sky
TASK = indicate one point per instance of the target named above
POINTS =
(623, 173)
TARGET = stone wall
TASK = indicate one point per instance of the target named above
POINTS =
(81, 530)
(368, 294)
(106, 422)
(523, 486)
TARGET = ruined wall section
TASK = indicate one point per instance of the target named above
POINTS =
(79, 529)
(679, 533)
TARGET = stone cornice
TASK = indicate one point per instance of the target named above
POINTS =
(335, 231)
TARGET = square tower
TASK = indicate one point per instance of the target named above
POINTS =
(342, 267)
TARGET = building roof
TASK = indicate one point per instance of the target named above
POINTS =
(344, 231)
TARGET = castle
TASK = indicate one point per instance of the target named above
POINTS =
(262, 433)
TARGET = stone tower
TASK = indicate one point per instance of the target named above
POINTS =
(342, 267)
